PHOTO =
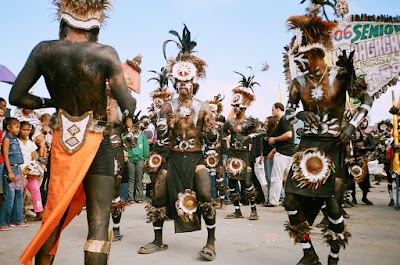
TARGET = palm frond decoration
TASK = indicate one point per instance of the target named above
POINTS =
(185, 44)
(247, 82)
(161, 77)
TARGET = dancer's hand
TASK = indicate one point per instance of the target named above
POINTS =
(308, 117)
(346, 134)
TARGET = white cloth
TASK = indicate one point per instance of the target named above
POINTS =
(280, 171)
(259, 171)
(27, 149)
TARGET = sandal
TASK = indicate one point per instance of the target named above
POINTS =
(152, 248)
(5, 228)
(23, 224)
(207, 253)
(234, 216)
(254, 216)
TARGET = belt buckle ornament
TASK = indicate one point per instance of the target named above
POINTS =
(186, 205)
(312, 167)
(73, 130)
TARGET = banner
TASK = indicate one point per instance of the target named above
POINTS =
(377, 50)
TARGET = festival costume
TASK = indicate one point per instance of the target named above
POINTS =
(213, 150)
(81, 146)
(160, 152)
(69, 166)
(237, 165)
(318, 161)
(175, 188)
(132, 72)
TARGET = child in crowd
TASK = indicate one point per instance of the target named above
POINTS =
(1, 159)
(31, 167)
(11, 210)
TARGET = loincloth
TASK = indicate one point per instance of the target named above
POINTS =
(66, 194)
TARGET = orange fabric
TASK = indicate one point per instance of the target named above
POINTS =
(66, 191)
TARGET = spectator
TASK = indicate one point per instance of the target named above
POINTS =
(2, 116)
(269, 151)
(1, 163)
(283, 140)
(3, 105)
(32, 169)
(11, 210)
(138, 150)
(28, 115)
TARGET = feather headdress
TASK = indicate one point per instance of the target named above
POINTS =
(185, 66)
(244, 93)
(162, 93)
(82, 14)
(310, 32)
(217, 101)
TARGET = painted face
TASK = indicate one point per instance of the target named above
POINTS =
(184, 88)
(157, 103)
(214, 109)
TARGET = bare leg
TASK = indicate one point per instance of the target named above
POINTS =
(99, 192)
(157, 214)
(43, 257)
(203, 190)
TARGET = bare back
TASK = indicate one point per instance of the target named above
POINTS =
(75, 74)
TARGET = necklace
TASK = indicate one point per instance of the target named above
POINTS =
(317, 93)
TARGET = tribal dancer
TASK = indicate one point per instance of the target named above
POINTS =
(318, 163)
(184, 188)
(157, 162)
(75, 69)
(131, 71)
(213, 154)
(241, 130)
(362, 144)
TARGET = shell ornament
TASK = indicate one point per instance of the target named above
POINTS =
(211, 159)
(235, 166)
(311, 168)
(184, 71)
(186, 205)
(359, 170)
(154, 161)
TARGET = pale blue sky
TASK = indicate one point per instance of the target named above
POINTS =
(230, 35)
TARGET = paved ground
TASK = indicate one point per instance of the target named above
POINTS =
(375, 229)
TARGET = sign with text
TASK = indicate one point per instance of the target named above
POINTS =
(377, 51)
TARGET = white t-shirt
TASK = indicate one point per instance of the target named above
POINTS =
(27, 149)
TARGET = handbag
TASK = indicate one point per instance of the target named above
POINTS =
(146, 178)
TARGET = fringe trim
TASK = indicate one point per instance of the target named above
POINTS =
(117, 209)
(208, 210)
(297, 232)
(336, 240)
(234, 196)
(155, 213)
(251, 195)
(373, 18)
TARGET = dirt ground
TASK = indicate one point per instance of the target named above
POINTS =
(375, 238)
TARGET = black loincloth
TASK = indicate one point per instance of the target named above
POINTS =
(180, 176)
(337, 154)
(245, 156)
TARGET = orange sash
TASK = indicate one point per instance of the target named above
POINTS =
(66, 191)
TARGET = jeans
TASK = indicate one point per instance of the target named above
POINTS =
(11, 210)
(123, 191)
(135, 177)
(268, 170)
